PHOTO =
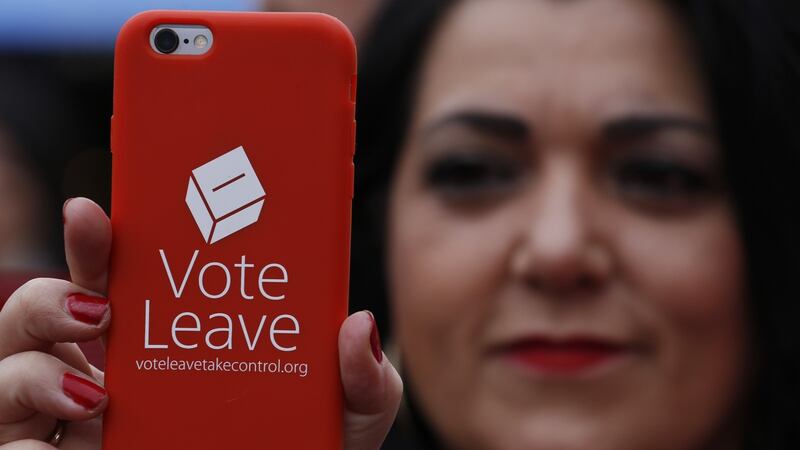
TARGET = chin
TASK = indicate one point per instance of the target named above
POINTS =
(554, 431)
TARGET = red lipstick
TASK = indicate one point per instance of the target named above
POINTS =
(571, 356)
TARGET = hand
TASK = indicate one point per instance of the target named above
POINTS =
(45, 377)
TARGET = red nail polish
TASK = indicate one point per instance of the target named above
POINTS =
(86, 308)
(375, 340)
(82, 391)
(64, 208)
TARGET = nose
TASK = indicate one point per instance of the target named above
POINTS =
(559, 251)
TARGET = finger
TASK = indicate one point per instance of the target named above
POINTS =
(44, 311)
(87, 242)
(35, 382)
(28, 444)
(372, 386)
(37, 426)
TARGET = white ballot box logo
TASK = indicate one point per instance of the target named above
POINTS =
(224, 195)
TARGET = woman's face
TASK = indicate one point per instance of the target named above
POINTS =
(565, 268)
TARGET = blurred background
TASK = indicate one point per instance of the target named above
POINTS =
(56, 76)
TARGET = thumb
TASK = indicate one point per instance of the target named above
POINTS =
(87, 244)
(87, 239)
(372, 387)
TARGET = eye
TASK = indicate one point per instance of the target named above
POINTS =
(467, 174)
(661, 180)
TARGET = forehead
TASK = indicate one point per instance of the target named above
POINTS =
(592, 55)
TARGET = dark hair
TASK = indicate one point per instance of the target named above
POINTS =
(748, 50)
(388, 70)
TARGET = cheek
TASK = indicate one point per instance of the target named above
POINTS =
(692, 271)
(690, 280)
(445, 272)
(443, 268)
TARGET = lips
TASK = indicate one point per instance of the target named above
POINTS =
(569, 356)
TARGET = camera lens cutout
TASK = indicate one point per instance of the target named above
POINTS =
(166, 40)
(181, 39)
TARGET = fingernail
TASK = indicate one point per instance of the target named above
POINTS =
(375, 340)
(64, 208)
(82, 391)
(87, 308)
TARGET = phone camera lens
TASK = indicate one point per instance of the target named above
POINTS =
(166, 40)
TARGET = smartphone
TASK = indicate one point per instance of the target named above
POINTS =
(232, 178)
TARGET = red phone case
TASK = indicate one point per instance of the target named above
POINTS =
(231, 194)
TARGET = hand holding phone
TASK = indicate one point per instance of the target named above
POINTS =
(38, 331)
(232, 186)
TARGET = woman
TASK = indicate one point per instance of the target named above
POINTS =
(588, 245)
(582, 247)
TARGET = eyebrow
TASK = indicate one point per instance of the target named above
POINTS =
(640, 126)
(496, 124)
(630, 127)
